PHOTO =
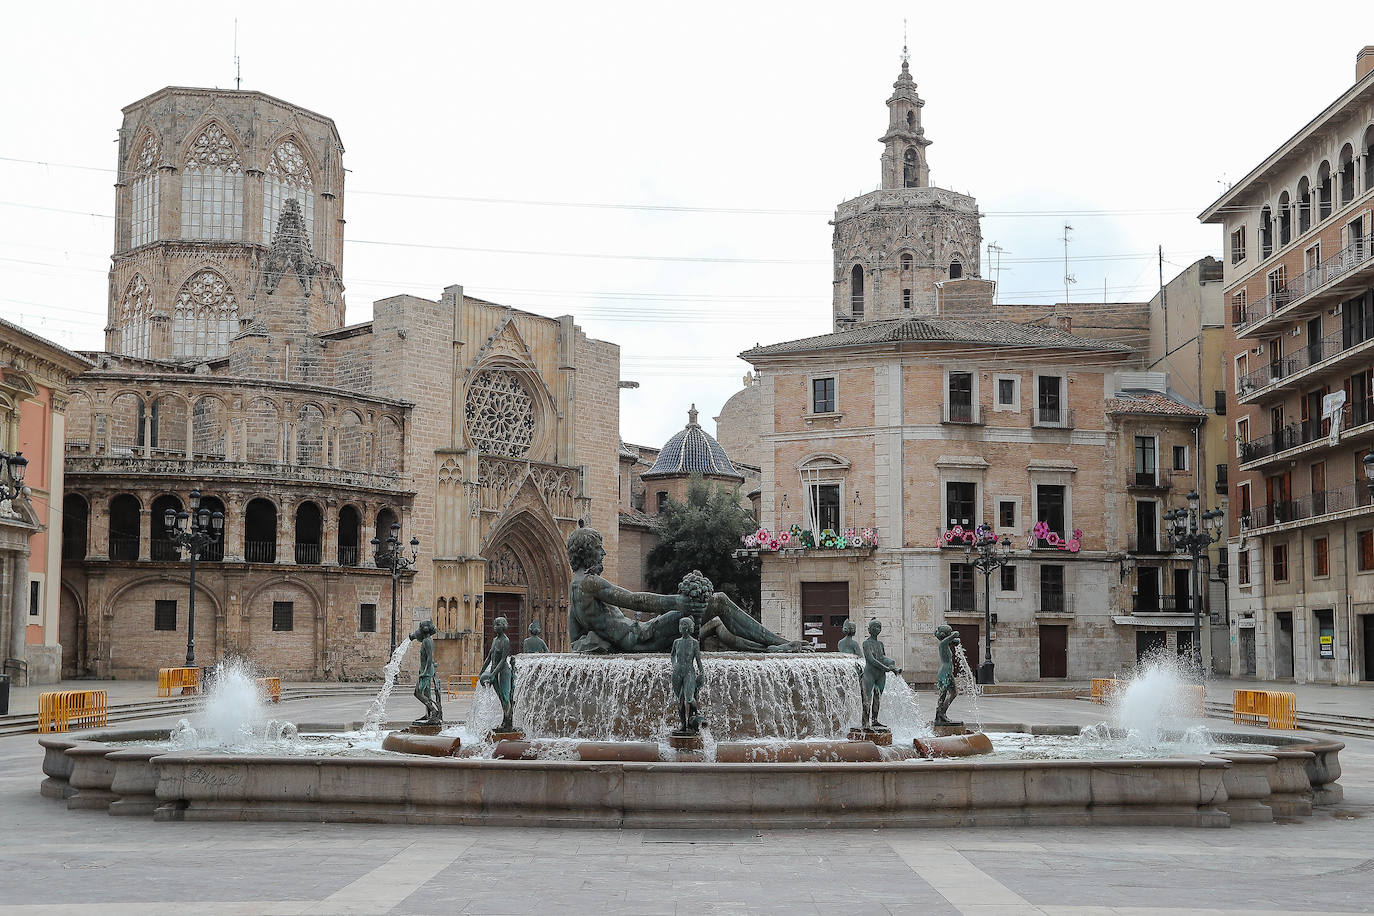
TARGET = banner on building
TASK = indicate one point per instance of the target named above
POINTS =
(1331, 410)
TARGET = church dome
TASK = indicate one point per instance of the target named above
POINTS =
(692, 451)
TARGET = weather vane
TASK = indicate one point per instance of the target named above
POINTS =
(906, 56)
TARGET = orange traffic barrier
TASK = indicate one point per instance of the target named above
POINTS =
(187, 680)
(1271, 708)
(1104, 689)
(459, 683)
(271, 688)
(62, 709)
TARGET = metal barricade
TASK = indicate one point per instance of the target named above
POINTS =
(63, 709)
(271, 688)
(187, 680)
(461, 683)
(1104, 689)
(1270, 708)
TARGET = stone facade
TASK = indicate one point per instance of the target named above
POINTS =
(485, 432)
(1299, 309)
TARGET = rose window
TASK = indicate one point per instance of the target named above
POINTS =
(500, 415)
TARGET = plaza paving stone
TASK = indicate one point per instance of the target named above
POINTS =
(54, 861)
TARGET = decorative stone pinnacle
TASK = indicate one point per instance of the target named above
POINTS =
(692, 416)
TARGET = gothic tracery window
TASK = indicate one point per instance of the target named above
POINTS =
(144, 187)
(287, 176)
(212, 188)
(500, 414)
(911, 169)
(136, 319)
(204, 317)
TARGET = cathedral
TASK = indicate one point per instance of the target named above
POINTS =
(484, 432)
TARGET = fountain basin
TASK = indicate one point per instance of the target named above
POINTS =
(1187, 789)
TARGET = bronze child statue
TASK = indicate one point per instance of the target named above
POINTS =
(688, 675)
(532, 642)
(849, 645)
(427, 683)
(876, 668)
(500, 673)
(944, 679)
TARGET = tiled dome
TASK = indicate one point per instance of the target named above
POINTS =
(693, 451)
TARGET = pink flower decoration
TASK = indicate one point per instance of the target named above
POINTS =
(1074, 545)
(968, 537)
(958, 531)
(783, 538)
(949, 537)
(773, 544)
(1053, 539)
(1041, 530)
(1078, 534)
(750, 541)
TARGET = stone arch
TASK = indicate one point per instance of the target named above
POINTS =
(136, 648)
(289, 172)
(169, 416)
(212, 182)
(71, 630)
(210, 427)
(310, 442)
(144, 176)
(352, 448)
(388, 446)
(282, 652)
(205, 315)
(136, 312)
(534, 540)
(124, 423)
(263, 431)
(80, 429)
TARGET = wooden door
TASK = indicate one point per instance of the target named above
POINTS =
(825, 608)
(1054, 651)
(1367, 627)
(1283, 646)
(499, 604)
(970, 635)
(1148, 642)
(1247, 651)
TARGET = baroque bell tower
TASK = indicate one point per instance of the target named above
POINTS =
(896, 248)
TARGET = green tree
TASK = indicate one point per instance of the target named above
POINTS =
(703, 533)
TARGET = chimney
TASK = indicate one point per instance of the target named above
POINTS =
(1364, 62)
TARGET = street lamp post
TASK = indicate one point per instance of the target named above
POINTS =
(987, 553)
(1193, 534)
(389, 555)
(16, 465)
(193, 532)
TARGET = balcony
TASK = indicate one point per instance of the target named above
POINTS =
(260, 551)
(1052, 418)
(1161, 604)
(308, 554)
(202, 468)
(962, 414)
(1308, 506)
(124, 549)
(1157, 479)
(1282, 445)
(1338, 274)
(1331, 351)
(1146, 542)
(348, 556)
(164, 550)
(1054, 602)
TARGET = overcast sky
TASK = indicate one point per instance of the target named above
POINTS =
(1135, 114)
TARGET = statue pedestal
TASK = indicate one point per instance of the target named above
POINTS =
(944, 730)
(414, 729)
(514, 734)
(879, 736)
(686, 742)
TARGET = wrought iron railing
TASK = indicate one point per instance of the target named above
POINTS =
(260, 551)
(308, 554)
(1310, 280)
(123, 549)
(1332, 344)
(1158, 479)
(1305, 507)
(348, 556)
(1057, 417)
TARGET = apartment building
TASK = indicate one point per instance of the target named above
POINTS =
(1299, 296)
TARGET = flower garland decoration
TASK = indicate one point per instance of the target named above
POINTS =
(796, 536)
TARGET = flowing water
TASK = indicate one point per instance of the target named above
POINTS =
(376, 713)
(1160, 706)
(965, 706)
(232, 713)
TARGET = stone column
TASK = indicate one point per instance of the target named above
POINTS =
(233, 528)
(329, 533)
(7, 622)
(190, 429)
(98, 538)
(20, 606)
(145, 528)
(286, 534)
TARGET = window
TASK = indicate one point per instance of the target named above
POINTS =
(1145, 460)
(367, 618)
(823, 395)
(34, 593)
(1049, 399)
(212, 188)
(1320, 560)
(960, 501)
(823, 504)
(1280, 562)
(1242, 436)
(1324, 190)
(1006, 392)
(1304, 206)
(1238, 302)
(906, 260)
(164, 615)
(1180, 457)
(1006, 514)
(856, 291)
(204, 317)
(906, 298)
(136, 319)
(1285, 220)
(1243, 567)
(1049, 507)
(283, 616)
(956, 270)
(1008, 582)
(1238, 245)
(961, 587)
(1266, 233)
(1052, 587)
(1366, 542)
(143, 212)
(911, 169)
(1312, 257)
(961, 397)
(287, 177)
(661, 500)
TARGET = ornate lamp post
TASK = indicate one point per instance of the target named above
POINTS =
(1193, 534)
(389, 555)
(1368, 474)
(15, 465)
(987, 553)
(193, 532)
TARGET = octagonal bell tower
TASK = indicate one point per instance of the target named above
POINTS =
(894, 245)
